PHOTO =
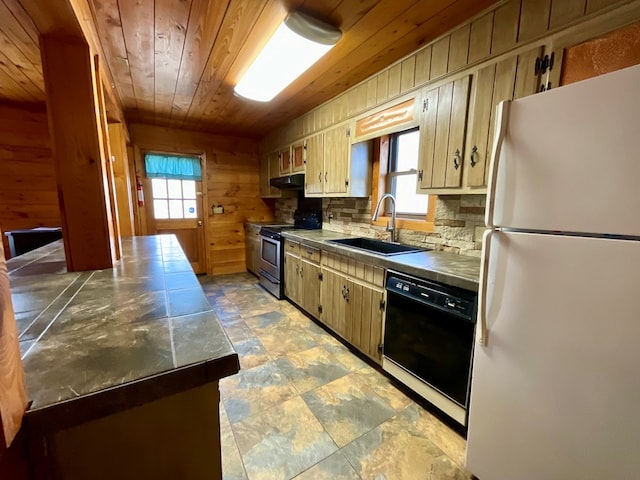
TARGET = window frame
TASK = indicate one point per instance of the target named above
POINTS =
(381, 184)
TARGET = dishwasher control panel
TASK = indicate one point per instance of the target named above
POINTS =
(444, 297)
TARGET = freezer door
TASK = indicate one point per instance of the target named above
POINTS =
(570, 159)
(555, 392)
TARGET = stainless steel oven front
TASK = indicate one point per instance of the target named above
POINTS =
(270, 263)
(428, 340)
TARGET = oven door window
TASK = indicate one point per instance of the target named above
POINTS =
(269, 251)
(433, 345)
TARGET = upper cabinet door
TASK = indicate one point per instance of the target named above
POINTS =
(336, 159)
(285, 161)
(298, 157)
(264, 176)
(493, 84)
(443, 125)
(314, 177)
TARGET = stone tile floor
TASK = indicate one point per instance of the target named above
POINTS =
(303, 406)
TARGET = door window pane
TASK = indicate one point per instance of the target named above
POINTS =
(175, 208)
(160, 209)
(159, 187)
(175, 188)
(188, 189)
(190, 209)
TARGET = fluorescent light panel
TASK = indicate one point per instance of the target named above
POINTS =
(288, 53)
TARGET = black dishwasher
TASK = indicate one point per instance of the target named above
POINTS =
(428, 340)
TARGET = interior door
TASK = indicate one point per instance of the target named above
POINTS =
(177, 208)
(557, 379)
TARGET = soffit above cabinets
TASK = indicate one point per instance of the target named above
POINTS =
(174, 63)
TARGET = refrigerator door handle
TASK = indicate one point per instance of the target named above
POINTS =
(483, 287)
(502, 119)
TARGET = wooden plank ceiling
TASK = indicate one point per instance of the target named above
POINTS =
(175, 62)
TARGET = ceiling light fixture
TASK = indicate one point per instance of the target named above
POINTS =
(299, 42)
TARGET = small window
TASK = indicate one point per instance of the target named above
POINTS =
(174, 199)
(403, 174)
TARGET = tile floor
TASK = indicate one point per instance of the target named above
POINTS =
(304, 407)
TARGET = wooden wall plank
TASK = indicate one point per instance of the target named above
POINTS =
(382, 87)
(24, 19)
(28, 191)
(439, 57)
(395, 74)
(459, 48)
(120, 163)
(505, 30)
(480, 38)
(565, 11)
(423, 66)
(534, 19)
(407, 76)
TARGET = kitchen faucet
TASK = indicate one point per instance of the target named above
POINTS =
(390, 228)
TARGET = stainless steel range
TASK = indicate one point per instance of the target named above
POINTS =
(271, 251)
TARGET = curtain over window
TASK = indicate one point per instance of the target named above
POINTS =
(172, 166)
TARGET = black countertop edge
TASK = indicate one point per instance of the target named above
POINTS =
(410, 263)
(75, 411)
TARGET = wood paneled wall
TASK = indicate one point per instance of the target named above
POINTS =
(232, 181)
(28, 191)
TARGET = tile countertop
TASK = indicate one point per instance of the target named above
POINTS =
(98, 342)
(448, 268)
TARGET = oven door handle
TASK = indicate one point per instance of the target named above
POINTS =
(482, 293)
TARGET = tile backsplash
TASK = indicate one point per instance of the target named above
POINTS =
(459, 222)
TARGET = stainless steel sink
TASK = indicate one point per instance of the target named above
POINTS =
(377, 246)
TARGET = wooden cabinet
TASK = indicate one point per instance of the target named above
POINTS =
(335, 167)
(284, 161)
(302, 276)
(443, 123)
(352, 298)
(291, 159)
(456, 141)
(269, 168)
(252, 248)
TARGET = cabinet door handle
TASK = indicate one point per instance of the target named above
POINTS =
(320, 176)
(345, 293)
(474, 156)
(309, 252)
(456, 159)
(301, 275)
(325, 176)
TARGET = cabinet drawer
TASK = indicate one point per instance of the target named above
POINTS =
(291, 247)
(310, 253)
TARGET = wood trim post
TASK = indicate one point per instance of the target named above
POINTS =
(74, 123)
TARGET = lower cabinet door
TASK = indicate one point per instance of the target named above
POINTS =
(364, 319)
(310, 287)
(333, 300)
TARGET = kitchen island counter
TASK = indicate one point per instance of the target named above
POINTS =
(101, 344)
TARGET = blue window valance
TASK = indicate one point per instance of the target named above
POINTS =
(172, 166)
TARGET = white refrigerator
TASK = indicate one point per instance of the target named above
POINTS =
(555, 390)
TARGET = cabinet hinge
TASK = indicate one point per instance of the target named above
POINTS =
(319, 308)
(382, 304)
(544, 64)
(420, 175)
(320, 276)
(544, 87)
(380, 347)
(348, 131)
(346, 182)
(425, 104)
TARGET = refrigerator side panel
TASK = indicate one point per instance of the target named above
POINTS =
(569, 160)
(555, 391)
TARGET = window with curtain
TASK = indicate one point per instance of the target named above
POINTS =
(173, 185)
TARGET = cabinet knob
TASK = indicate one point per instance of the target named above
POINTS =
(474, 156)
(456, 159)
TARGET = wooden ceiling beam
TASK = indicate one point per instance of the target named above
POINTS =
(74, 19)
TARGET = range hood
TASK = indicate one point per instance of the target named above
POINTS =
(291, 182)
